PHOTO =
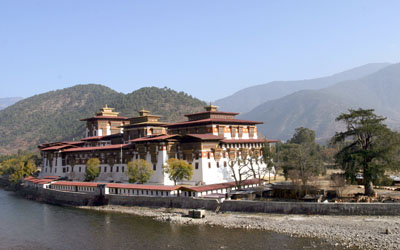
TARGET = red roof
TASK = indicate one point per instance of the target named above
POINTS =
(116, 185)
(115, 146)
(213, 112)
(219, 186)
(206, 136)
(92, 138)
(106, 117)
(142, 186)
(214, 120)
(73, 142)
(76, 183)
(155, 138)
(247, 141)
(38, 180)
(57, 147)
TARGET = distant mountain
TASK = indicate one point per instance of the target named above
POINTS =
(317, 109)
(8, 101)
(54, 116)
(249, 98)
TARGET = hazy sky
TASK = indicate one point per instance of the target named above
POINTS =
(208, 49)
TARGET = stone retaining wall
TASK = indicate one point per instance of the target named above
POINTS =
(87, 199)
(172, 202)
(58, 197)
(312, 208)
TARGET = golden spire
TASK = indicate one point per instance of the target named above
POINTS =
(106, 111)
(211, 107)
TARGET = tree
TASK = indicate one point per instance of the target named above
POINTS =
(339, 182)
(253, 159)
(139, 171)
(303, 136)
(178, 170)
(92, 169)
(18, 166)
(239, 167)
(301, 156)
(268, 155)
(370, 146)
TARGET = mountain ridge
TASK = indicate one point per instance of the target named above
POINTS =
(8, 101)
(248, 98)
(317, 109)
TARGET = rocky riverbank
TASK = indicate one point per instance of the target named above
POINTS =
(365, 232)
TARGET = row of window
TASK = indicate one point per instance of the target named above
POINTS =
(225, 164)
(138, 192)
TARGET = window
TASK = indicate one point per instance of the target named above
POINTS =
(137, 157)
(196, 165)
(225, 164)
(117, 169)
(111, 168)
(105, 169)
(154, 167)
(123, 169)
(217, 164)
(80, 168)
(208, 155)
(209, 165)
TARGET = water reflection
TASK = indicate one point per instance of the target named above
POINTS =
(32, 225)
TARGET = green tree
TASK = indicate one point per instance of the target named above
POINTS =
(139, 171)
(178, 170)
(303, 136)
(370, 146)
(92, 169)
(300, 157)
(18, 166)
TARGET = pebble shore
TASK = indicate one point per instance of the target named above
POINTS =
(364, 232)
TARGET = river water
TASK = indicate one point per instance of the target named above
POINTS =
(26, 224)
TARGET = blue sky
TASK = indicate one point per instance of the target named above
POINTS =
(209, 49)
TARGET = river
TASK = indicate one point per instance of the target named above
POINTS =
(26, 224)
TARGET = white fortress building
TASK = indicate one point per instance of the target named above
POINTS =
(211, 141)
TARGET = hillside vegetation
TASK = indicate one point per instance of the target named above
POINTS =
(54, 116)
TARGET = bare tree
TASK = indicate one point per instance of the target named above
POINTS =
(239, 168)
(255, 163)
(339, 182)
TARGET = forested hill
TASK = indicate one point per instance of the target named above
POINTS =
(54, 116)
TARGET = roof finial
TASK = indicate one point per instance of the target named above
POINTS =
(211, 107)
